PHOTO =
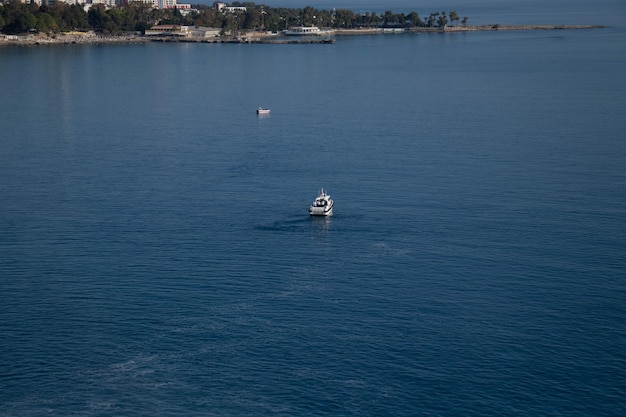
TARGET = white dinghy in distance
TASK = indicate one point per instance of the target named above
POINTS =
(322, 205)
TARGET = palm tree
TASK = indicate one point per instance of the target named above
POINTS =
(453, 16)
(442, 20)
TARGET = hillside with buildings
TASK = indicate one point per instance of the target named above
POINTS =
(124, 16)
(74, 21)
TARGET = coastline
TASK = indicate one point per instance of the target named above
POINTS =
(93, 39)
(477, 28)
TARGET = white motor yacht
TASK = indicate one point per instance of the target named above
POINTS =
(322, 206)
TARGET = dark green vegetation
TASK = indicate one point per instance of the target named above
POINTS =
(16, 17)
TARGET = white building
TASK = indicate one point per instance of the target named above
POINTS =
(88, 3)
(171, 4)
(107, 3)
(168, 30)
(224, 8)
(204, 32)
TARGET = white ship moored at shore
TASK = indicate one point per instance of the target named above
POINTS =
(304, 31)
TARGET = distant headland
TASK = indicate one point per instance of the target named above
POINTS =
(41, 23)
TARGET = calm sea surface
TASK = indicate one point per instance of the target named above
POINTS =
(157, 257)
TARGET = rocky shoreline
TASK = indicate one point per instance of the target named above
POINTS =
(94, 39)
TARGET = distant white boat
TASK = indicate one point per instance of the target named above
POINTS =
(322, 206)
(303, 31)
(261, 110)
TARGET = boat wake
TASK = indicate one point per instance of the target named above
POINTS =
(285, 226)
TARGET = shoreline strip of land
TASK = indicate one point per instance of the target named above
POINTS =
(260, 37)
(475, 28)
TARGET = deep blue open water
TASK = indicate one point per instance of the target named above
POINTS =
(157, 257)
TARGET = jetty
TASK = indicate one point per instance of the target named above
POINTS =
(454, 29)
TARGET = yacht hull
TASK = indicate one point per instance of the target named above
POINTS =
(322, 211)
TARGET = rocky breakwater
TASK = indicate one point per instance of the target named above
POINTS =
(503, 28)
(69, 38)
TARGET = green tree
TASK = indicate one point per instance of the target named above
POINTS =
(46, 23)
(118, 21)
(56, 11)
(137, 16)
(27, 22)
(98, 18)
(454, 17)
(208, 17)
(389, 18)
(252, 18)
(344, 19)
(232, 22)
(75, 18)
(442, 20)
(415, 20)
(11, 12)
(374, 20)
(308, 16)
(432, 18)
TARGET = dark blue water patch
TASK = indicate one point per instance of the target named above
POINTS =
(160, 259)
(296, 224)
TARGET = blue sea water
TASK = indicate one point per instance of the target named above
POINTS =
(157, 257)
